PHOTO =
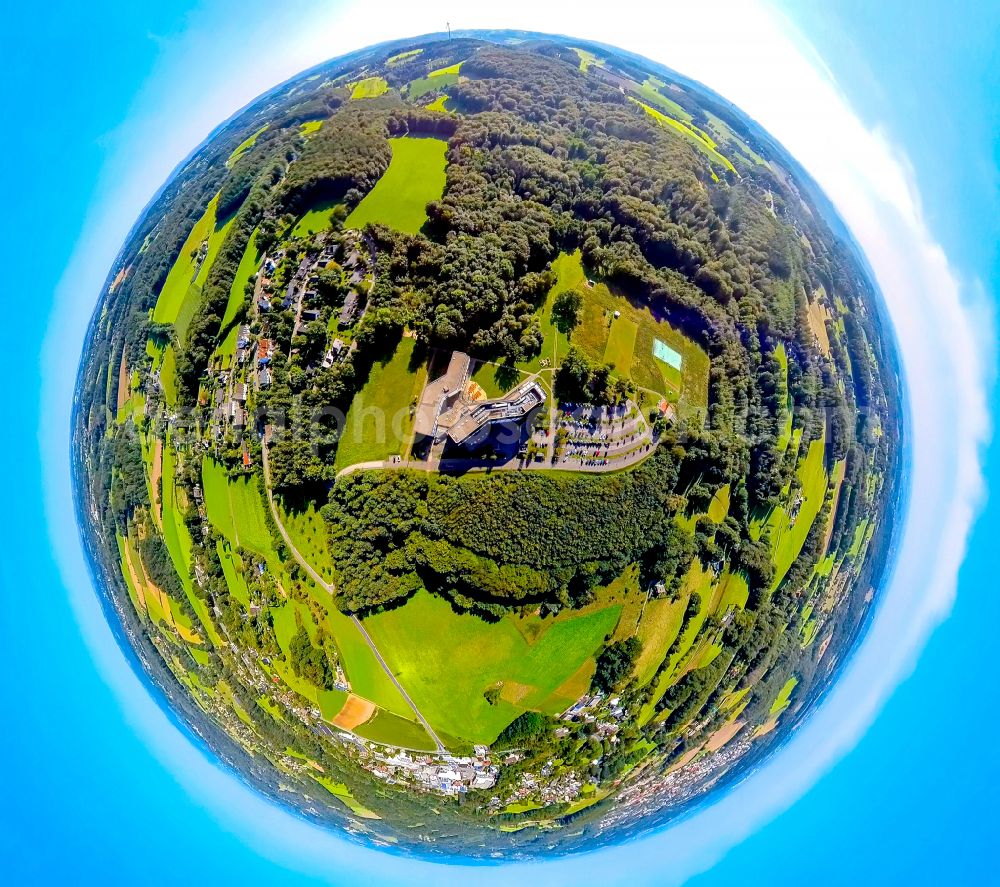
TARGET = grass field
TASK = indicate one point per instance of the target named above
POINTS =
(329, 702)
(568, 268)
(369, 88)
(697, 580)
(317, 219)
(496, 379)
(177, 538)
(343, 794)
(379, 422)
(309, 534)
(784, 697)
(661, 620)
(439, 79)
(439, 104)
(237, 292)
(416, 176)
(178, 299)
(786, 420)
(244, 146)
(627, 341)
(621, 344)
(731, 591)
(649, 91)
(788, 537)
(447, 661)
(234, 574)
(696, 137)
(586, 59)
(310, 127)
(403, 56)
(236, 509)
(394, 730)
(182, 273)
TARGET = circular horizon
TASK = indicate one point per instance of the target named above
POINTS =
(901, 522)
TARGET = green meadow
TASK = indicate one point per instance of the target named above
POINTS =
(319, 218)
(439, 104)
(369, 88)
(627, 341)
(784, 697)
(447, 661)
(237, 292)
(236, 509)
(416, 176)
(439, 79)
(391, 729)
(244, 146)
(181, 292)
(696, 137)
(177, 538)
(379, 423)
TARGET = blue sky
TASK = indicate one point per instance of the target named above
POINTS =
(99, 781)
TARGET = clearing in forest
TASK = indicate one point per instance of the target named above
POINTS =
(415, 177)
(318, 218)
(369, 88)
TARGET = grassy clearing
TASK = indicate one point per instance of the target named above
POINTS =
(787, 536)
(177, 538)
(379, 422)
(403, 56)
(343, 794)
(621, 344)
(181, 292)
(135, 593)
(786, 422)
(237, 292)
(319, 218)
(568, 268)
(310, 536)
(784, 697)
(447, 661)
(718, 508)
(155, 352)
(235, 508)
(661, 620)
(394, 730)
(439, 104)
(818, 316)
(245, 146)
(439, 79)
(696, 137)
(310, 127)
(232, 569)
(586, 59)
(650, 91)
(286, 624)
(369, 88)
(858, 540)
(496, 379)
(697, 580)
(600, 336)
(182, 274)
(731, 591)
(416, 176)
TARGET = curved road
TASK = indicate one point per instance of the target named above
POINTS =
(331, 590)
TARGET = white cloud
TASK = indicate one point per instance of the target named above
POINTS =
(752, 57)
